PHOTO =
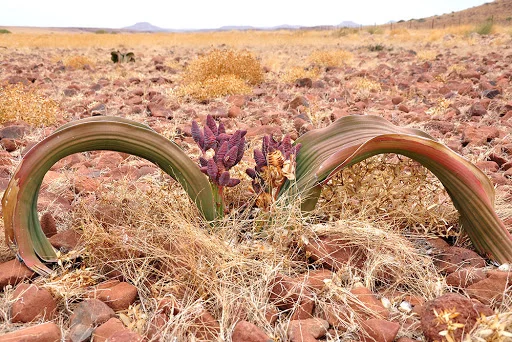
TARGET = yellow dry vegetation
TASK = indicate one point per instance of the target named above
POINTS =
(333, 58)
(221, 72)
(18, 102)
(77, 62)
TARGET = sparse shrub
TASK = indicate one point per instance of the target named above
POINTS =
(376, 47)
(78, 62)
(426, 55)
(374, 30)
(345, 31)
(118, 57)
(332, 58)
(20, 103)
(4, 31)
(485, 28)
(294, 73)
(220, 73)
(101, 32)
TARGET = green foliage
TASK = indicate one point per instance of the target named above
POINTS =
(101, 32)
(485, 28)
(374, 30)
(4, 31)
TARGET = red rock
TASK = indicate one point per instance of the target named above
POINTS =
(118, 297)
(158, 111)
(10, 145)
(271, 315)
(486, 165)
(85, 317)
(32, 303)
(125, 336)
(84, 184)
(403, 108)
(455, 258)
(479, 135)
(492, 288)
(107, 329)
(66, 240)
(334, 252)
(397, 100)
(507, 166)
(206, 327)
(156, 326)
(262, 130)
(304, 82)
(13, 272)
(48, 224)
(237, 100)
(47, 332)
(406, 339)
(169, 306)
(287, 293)
(477, 109)
(296, 102)
(438, 244)
(304, 310)
(315, 280)
(234, 112)
(367, 304)
(247, 332)
(468, 313)
(465, 277)
(442, 127)
(379, 330)
(497, 159)
(307, 330)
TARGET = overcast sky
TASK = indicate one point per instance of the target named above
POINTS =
(194, 14)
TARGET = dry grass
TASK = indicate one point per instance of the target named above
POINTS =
(334, 58)
(78, 62)
(18, 102)
(221, 72)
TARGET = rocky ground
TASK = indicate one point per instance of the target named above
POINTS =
(455, 88)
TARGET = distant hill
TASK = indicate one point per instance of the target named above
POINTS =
(144, 27)
(348, 24)
(499, 11)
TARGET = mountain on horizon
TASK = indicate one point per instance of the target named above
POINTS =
(144, 27)
(348, 24)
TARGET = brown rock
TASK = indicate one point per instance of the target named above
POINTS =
(403, 108)
(206, 327)
(47, 332)
(296, 102)
(334, 252)
(48, 224)
(125, 336)
(107, 329)
(156, 326)
(492, 288)
(247, 332)
(304, 82)
(287, 293)
(367, 304)
(85, 184)
(379, 330)
(397, 100)
(479, 135)
(495, 157)
(32, 303)
(158, 111)
(237, 100)
(86, 316)
(455, 258)
(66, 240)
(262, 130)
(432, 324)
(477, 109)
(307, 329)
(465, 277)
(406, 339)
(234, 112)
(487, 165)
(118, 297)
(315, 279)
(13, 272)
(13, 132)
(9, 145)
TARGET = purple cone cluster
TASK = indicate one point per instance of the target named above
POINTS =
(263, 158)
(228, 148)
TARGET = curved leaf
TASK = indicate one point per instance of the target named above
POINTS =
(353, 139)
(22, 228)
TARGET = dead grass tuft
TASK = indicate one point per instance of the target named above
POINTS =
(78, 62)
(18, 102)
(222, 72)
(330, 58)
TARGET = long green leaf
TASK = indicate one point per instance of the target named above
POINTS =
(22, 228)
(353, 139)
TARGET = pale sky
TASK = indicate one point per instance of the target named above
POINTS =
(196, 14)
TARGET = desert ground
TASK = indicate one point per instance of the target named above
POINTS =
(381, 258)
